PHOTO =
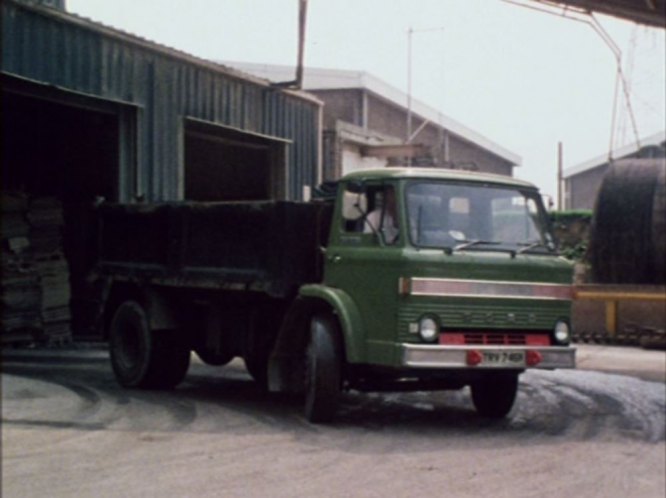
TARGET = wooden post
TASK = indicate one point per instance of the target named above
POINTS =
(611, 318)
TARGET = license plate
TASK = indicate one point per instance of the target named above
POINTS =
(504, 358)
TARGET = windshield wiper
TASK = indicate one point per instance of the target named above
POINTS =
(533, 245)
(471, 243)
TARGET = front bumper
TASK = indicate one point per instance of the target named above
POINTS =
(456, 357)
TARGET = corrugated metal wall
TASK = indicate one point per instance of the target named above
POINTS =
(164, 85)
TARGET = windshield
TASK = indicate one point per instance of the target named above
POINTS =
(467, 217)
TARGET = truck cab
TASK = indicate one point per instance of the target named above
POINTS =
(436, 279)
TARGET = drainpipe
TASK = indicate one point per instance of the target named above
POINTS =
(302, 18)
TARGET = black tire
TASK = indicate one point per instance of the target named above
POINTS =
(257, 367)
(494, 396)
(144, 358)
(323, 370)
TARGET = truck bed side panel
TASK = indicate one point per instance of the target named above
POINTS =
(266, 246)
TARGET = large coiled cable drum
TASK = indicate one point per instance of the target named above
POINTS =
(628, 233)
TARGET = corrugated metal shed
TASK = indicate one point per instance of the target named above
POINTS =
(158, 88)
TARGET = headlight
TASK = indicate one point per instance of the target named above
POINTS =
(428, 329)
(562, 332)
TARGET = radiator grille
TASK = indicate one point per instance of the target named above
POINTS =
(494, 339)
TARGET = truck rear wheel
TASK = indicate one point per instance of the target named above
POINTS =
(144, 358)
(493, 396)
(323, 375)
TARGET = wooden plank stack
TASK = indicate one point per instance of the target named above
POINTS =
(35, 290)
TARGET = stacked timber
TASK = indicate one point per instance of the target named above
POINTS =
(46, 226)
(20, 292)
(35, 291)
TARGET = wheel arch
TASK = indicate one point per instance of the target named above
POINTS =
(286, 360)
(347, 314)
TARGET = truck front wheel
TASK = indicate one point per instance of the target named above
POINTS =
(144, 358)
(323, 370)
(494, 395)
(257, 366)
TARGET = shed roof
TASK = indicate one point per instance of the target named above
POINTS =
(335, 79)
(649, 12)
(619, 153)
(136, 40)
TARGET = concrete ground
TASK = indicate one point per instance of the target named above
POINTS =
(69, 430)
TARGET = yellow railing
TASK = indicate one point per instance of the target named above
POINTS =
(613, 297)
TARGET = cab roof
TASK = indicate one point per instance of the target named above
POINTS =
(404, 173)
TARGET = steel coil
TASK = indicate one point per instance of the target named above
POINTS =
(628, 233)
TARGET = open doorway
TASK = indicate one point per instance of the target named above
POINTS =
(225, 164)
(61, 154)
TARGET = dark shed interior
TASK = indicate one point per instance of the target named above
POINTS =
(61, 158)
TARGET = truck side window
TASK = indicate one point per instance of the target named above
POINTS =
(354, 210)
(371, 211)
(383, 218)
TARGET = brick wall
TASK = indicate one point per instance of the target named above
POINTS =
(365, 109)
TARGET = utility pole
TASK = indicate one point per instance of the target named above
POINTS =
(410, 33)
(560, 206)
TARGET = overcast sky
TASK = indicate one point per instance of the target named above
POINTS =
(524, 79)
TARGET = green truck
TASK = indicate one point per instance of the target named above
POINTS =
(399, 279)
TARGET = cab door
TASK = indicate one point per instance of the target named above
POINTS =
(364, 260)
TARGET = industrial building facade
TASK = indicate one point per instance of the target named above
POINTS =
(92, 114)
(366, 124)
(153, 106)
